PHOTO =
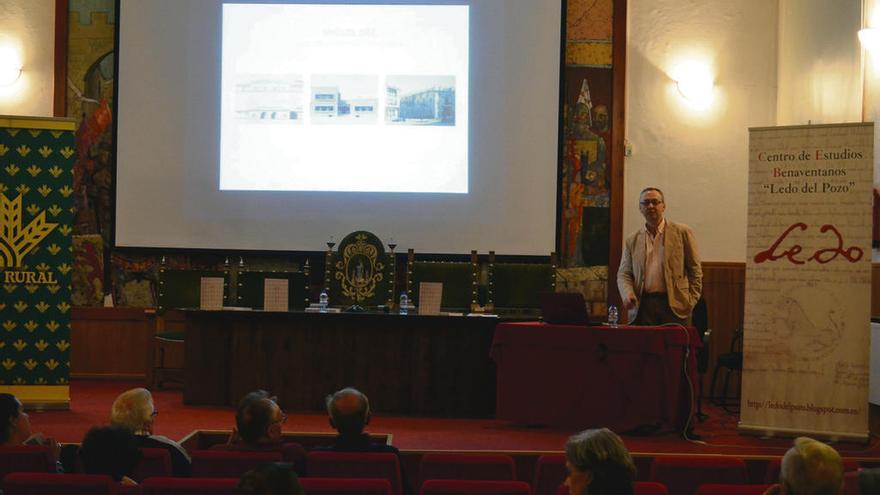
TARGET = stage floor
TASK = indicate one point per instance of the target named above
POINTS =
(91, 400)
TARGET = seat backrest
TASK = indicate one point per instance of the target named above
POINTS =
(360, 272)
(488, 467)
(474, 487)
(459, 278)
(716, 489)
(154, 462)
(54, 484)
(251, 288)
(682, 475)
(356, 465)
(550, 473)
(182, 288)
(774, 467)
(229, 464)
(649, 488)
(345, 486)
(518, 286)
(25, 458)
(189, 486)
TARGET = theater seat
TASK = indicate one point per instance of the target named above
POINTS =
(775, 466)
(356, 465)
(229, 464)
(715, 489)
(550, 473)
(26, 458)
(682, 475)
(649, 488)
(349, 486)
(495, 467)
(154, 462)
(54, 484)
(189, 486)
(472, 487)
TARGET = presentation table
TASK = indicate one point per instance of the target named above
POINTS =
(417, 365)
(589, 377)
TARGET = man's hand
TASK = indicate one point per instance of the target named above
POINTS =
(630, 302)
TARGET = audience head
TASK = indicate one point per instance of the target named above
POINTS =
(259, 419)
(272, 479)
(811, 468)
(598, 464)
(110, 450)
(349, 411)
(134, 410)
(16, 423)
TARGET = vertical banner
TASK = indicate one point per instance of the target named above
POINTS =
(36, 176)
(808, 281)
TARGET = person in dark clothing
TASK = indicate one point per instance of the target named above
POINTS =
(135, 411)
(110, 450)
(277, 478)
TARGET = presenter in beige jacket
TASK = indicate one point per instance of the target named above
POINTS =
(660, 278)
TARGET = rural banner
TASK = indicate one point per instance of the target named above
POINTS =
(808, 281)
(36, 187)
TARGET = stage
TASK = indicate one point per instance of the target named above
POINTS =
(91, 400)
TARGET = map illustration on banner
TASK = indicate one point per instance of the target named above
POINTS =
(808, 281)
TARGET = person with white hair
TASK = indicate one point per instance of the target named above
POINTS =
(809, 468)
(135, 411)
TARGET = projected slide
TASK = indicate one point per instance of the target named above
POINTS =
(367, 98)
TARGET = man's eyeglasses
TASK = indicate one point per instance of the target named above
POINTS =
(282, 419)
(647, 202)
(154, 414)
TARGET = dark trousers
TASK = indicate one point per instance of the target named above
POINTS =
(654, 310)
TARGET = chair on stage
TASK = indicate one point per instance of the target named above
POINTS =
(487, 467)
(729, 362)
(177, 289)
(716, 489)
(460, 280)
(153, 463)
(517, 287)
(700, 321)
(345, 486)
(360, 273)
(189, 486)
(356, 465)
(474, 487)
(67, 484)
(251, 288)
(550, 473)
(228, 463)
(25, 458)
(683, 474)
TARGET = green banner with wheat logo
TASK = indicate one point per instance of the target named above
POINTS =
(36, 164)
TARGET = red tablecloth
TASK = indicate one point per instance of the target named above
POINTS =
(589, 377)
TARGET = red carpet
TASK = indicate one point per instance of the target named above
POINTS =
(90, 405)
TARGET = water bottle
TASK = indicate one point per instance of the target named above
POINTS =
(612, 315)
(323, 300)
(404, 303)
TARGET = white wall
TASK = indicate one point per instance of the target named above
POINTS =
(820, 71)
(28, 27)
(698, 158)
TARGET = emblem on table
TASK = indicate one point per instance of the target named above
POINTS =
(359, 270)
(16, 242)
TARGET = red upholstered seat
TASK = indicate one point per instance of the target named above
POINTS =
(189, 486)
(26, 458)
(682, 475)
(550, 474)
(54, 484)
(229, 464)
(649, 488)
(775, 466)
(715, 489)
(356, 465)
(345, 486)
(155, 462)
(474, 487)
(851, 482)
(495, 467)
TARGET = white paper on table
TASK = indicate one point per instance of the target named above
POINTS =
(430, 294)
(275, 294)
(211, 295)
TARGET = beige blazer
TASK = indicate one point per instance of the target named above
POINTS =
(681, 268)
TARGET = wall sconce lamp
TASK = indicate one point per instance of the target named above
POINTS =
(870, 38)
(10, 67)
(695, 82)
